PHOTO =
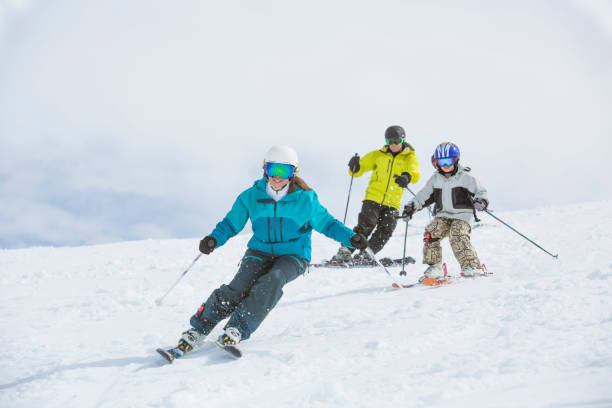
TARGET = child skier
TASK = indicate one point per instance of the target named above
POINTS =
(393, 168)
(456, 195)
(283, 211)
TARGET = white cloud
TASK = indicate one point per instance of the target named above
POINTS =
(600, 11)
(172, 107)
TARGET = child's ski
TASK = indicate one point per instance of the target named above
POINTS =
(446, 280)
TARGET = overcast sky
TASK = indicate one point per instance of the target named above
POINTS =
(143, 119)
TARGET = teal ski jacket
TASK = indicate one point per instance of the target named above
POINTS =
(283, 227)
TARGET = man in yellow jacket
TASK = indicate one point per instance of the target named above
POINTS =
(393, 167)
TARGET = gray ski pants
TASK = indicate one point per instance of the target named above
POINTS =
(251, 295)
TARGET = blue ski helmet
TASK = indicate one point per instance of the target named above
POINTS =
(446, 149)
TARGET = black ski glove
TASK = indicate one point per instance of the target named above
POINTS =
(480, 204)
(359, 241)
(409, 211)
(354, 164)
(403, 180)
(207, 245)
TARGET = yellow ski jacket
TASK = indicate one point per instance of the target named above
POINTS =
(382, 188)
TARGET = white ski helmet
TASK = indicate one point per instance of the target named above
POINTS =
(282, 154)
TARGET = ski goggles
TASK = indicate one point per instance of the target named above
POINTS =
(284, 171)
(394, 140)
(446, 161)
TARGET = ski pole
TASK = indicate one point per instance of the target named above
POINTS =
(371, 253)
(158, 302)
(403, 271)
(349, 194)
(498, 219)
(411, 192)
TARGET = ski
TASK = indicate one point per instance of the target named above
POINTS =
(428, 282)
(168, 355)
(233, 350)
(446, 280)
(174, 353)
(385, 261)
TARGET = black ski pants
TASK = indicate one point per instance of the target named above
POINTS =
(251, 295)
(382, 217)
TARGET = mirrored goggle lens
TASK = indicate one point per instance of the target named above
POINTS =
(447, 161)
(284, 171)
(394, 140)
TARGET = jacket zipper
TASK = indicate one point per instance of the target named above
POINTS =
(270, 238)
(389, 180)
(275, 238)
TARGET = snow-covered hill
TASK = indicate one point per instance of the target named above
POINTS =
(79, 325)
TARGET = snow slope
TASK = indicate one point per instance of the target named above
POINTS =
(79, 325)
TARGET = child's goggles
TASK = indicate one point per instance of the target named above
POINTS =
(284, 171)
(394, 140)
(447, 161)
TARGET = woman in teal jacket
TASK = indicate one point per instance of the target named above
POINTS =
(283, 211)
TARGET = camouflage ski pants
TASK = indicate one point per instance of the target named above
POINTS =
(458, 232)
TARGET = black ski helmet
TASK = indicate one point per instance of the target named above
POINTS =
(395, 135)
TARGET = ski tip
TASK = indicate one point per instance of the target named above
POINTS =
(395, 285)
(434, 282)
(166, 355)
(234, 351)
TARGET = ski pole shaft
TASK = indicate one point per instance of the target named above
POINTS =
(348, 199)
(428, 208)
(411, 192)
(349, 195)
(371, 253)
(403, 271)
(158, 302)
(500, 220)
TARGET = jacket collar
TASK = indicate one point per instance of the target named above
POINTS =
(261, 184)
(407, 149)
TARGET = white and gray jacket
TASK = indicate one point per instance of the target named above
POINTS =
(453, 196)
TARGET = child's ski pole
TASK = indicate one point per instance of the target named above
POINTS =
(498, 219)
(428, 208)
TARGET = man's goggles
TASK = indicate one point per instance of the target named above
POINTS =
(447, 161)
(394, 140)
(284, 171)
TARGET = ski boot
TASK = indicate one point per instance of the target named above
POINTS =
(433, 275)
(434, 271)
(228, 341)
(344, 255)
(362, 258)
(190, 340)
(470, 272)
